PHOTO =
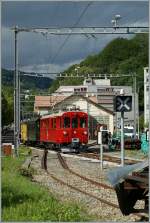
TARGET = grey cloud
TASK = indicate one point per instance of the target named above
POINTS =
(36, 49)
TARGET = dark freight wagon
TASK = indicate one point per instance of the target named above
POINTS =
(33, 131)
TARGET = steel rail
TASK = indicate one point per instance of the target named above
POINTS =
(44, 166)
(108, 158)
(65, 166)
(82, 191)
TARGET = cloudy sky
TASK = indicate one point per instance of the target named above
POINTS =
(45, 53)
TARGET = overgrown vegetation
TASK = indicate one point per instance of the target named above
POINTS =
(23, 200)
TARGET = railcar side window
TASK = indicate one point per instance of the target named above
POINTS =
(54, 123)
(75, 122)
(83, 122)
(66, 122)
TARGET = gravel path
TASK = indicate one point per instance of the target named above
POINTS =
(99, 211)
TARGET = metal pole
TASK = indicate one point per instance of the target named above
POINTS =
(149, 119)
(138, 115)
(122, 139)
(88, 119)
(101, 156)
(16, 95)
(19, 107)
(134, 106)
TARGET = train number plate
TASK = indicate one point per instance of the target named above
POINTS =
(75, 139)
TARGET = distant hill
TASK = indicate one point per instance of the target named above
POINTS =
(121, 56)
(27, 82)
(34, 84)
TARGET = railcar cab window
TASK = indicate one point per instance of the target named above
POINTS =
(75, 122)
(66, 122)
(83, 122)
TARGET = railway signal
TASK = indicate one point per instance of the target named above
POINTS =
(123, 103)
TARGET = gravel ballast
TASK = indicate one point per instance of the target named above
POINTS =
(90, 169)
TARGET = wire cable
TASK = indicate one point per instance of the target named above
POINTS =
(66, 39)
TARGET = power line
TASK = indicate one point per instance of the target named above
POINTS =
(66, 39)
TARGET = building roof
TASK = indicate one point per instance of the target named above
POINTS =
(48, 101)
(92, 100)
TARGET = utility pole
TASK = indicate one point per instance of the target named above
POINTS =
(16, 96)
(138, 124)
(122, 139)
(134, 77)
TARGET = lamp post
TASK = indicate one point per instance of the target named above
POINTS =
(76, 69)
(115, 20)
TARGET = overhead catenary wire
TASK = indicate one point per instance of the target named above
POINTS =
(66, 39)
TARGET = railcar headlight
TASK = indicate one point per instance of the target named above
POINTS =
(85, 132)
(74, 132)
(65, 133)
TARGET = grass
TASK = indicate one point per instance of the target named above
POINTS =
(23, 200)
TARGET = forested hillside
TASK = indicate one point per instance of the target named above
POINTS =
(34, 84)
(120, 56)
(27, 82)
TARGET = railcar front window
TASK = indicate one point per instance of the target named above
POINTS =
(66, 122)
(75, 123)
(82, 122)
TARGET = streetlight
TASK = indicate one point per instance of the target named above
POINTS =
(115, 21)
(76, 69)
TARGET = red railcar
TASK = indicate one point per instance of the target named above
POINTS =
(65, 128)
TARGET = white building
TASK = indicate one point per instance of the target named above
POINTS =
(146, 95)
(104, 95)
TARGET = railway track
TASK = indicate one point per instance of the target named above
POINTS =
(82, 191)
(65, 166)
(108, 158)
(95, 155)
(100, 185)
(103, 199)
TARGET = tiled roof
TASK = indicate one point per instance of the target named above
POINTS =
(48, 101)
(93, 98)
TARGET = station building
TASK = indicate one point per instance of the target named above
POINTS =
(103, 94)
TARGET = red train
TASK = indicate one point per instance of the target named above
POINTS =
(58, 130)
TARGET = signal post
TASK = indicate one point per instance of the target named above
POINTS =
(102, 140)
(122, 104)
